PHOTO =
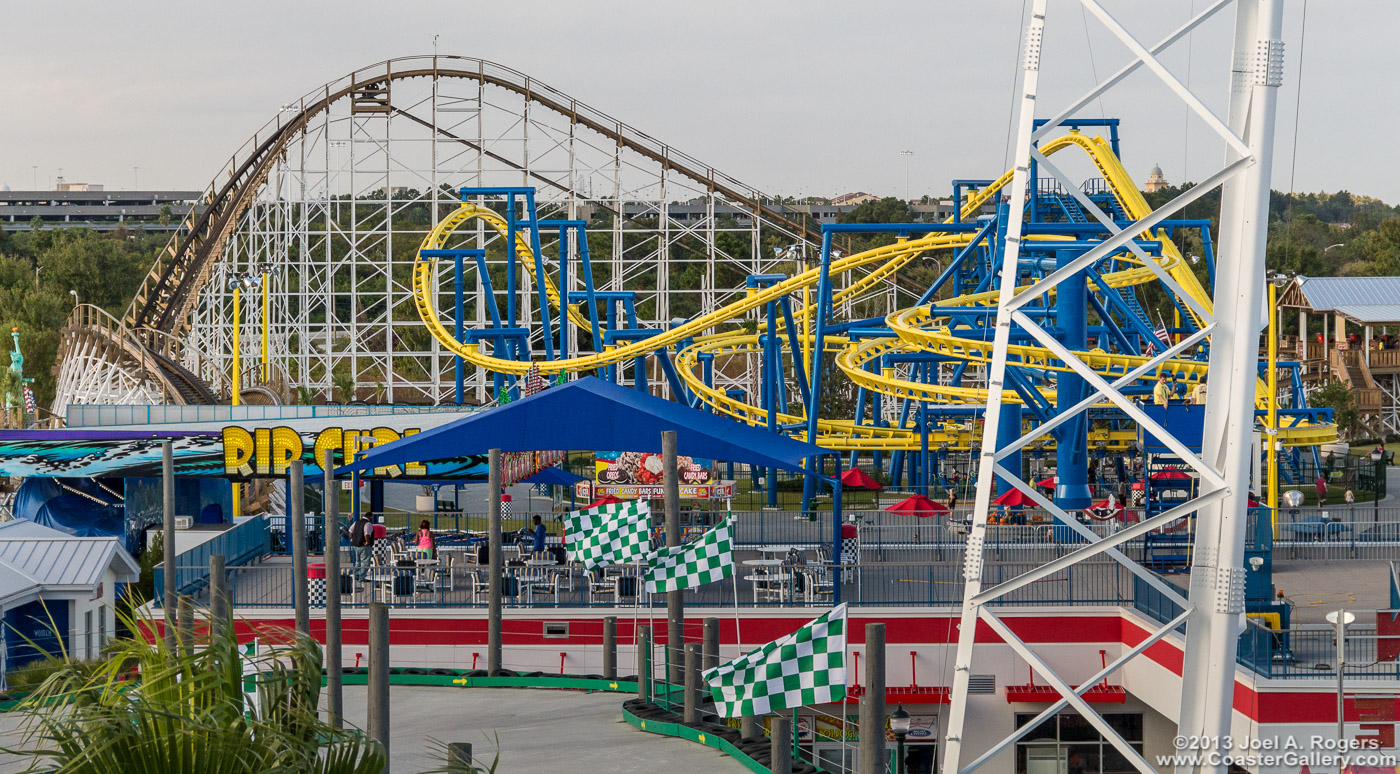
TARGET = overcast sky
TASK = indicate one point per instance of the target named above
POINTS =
(808, 97)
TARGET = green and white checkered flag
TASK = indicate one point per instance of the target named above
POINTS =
(610, 534)
(805, 667)
(693, 564)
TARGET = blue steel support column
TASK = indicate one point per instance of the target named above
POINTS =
(510, 260)
(809, 482)
(563, 293)
(836, 520)
(1008, 432)
(376, 497)
(459, 365)
(770, 389)
(854, 460)
(614, 370)
(546, 317)
(707, 374)
(925, 369)
(489, 293)
(876, 406)
(1072, 447)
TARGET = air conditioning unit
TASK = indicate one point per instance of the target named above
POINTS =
(184, 522)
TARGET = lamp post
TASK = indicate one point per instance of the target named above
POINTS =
(263, 280)
(1340, 619)
(1271, 430)
(906, 154)
(1377, 476)
(899, 724)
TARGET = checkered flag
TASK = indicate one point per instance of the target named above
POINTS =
(610, 534)
(694, 564)
(805, 667)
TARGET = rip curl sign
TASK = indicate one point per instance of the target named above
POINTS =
(268, 452)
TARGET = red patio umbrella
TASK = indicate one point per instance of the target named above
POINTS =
(1015, 499)
(1048, 483)
(918, 505)
(604, 500)
(1168, 475)
(855, 478)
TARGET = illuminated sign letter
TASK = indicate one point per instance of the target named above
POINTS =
(238, 452)
(262, 450)
(286, 446)
(329, 439)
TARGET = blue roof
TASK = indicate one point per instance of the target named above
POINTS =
(596, 415)
(553, 476)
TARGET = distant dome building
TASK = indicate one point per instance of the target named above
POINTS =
(1156, 181)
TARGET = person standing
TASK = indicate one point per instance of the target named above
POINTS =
(1162, 392)
(1321, 489)
(1198, 393)
(426, 543)
(361, 545)
(537, 548)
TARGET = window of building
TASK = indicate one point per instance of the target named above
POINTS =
(101, 627)
(87, 635)
(1069, 744)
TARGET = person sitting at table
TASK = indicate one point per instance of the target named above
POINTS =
(537, 548)
(425, 538)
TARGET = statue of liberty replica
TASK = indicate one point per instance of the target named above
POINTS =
(12, 385)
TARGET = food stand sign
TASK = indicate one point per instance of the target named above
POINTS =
(631, 475)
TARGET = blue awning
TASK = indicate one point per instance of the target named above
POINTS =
(556, 476)
(595, 415)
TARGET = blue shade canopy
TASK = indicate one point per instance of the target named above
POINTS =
(556, 476)
(592, 414)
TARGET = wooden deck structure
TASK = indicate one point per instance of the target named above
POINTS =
(1349, 332)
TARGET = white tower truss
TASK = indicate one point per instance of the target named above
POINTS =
(1213, 612)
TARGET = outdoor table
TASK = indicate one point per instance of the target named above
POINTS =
(541, 563)
(772, 585)
(425, 561)
(781, 550)
(764, 562)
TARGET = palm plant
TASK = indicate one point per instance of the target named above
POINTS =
(189, 709)
(344, 383)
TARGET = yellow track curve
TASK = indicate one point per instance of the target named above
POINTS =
(917, 329)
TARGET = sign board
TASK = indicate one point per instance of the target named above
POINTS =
(245, 449)
(722, 490)
(633, 475)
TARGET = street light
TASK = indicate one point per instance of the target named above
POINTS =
(1276, 281)
(1340, 619)
(906, 154)
(72, 293)
(1378, 475)
(1329, 247)
(899, 724)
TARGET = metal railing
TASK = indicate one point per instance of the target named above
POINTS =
(1360, 532)
(1311, 651)
(805, 584)
(244, 542)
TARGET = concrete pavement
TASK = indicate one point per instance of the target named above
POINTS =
(532, 730)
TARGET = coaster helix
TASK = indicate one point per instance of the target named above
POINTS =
(939, 341)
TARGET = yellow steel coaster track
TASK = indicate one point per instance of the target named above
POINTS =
(917, 329)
